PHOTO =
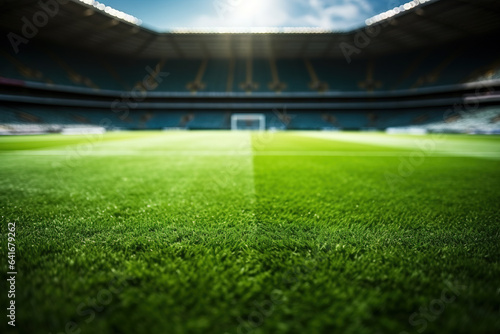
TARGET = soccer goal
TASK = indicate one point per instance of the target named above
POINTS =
(248, 122)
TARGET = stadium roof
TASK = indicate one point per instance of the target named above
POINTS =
(80, 25)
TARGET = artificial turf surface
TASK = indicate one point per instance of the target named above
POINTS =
(239, 232)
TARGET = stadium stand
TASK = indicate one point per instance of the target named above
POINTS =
(250, 75)
(105, 68)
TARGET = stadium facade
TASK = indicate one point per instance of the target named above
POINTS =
(433, 65)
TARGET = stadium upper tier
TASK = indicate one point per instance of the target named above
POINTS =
(451, 64)
(425, 44)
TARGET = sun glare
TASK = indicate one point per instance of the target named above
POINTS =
(252, 13)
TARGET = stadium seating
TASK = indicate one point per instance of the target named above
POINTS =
(206, 120)
(62, 66)
(294, 74)
(293, 120)
(161, 120)
(216, 76)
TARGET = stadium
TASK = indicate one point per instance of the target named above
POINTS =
(250, 179)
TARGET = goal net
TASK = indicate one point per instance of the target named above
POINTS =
(248, 122)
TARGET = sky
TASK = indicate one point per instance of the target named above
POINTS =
(163, 15)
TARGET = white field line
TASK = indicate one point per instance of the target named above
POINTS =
(253, 191)
(172, 153)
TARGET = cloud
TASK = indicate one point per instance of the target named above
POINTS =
(330, 14)
(245, 13)
(339, 14)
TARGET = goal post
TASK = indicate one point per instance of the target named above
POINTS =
(248, 122)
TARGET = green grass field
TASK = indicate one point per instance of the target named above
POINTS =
(239, 232)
